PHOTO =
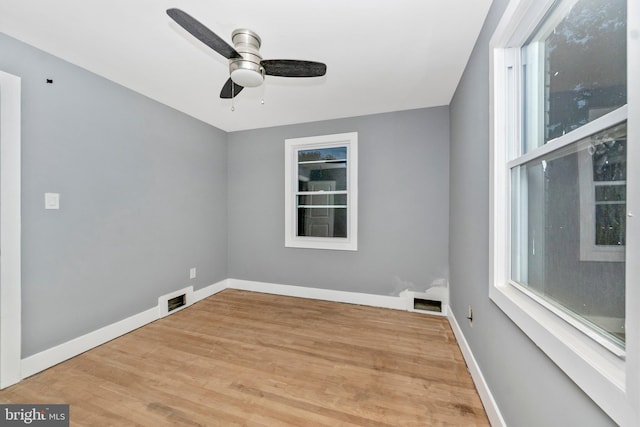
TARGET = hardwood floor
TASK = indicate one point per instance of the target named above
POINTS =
(249, 359)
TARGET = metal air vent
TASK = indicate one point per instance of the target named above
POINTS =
(427, 305)
(176, 302)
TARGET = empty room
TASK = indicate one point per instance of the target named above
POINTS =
(331, 213)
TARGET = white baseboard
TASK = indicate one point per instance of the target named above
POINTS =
(384, 301)
(203, 293)
(54, 355)
(490, 405)
(45, 359)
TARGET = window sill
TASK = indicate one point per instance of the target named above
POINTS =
(334, 243)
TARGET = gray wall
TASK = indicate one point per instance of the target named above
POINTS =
(403, 206)
(529, 389)
(143, 199)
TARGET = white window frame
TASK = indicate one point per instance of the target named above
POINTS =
(10, 229)
(608, 376)
(291, 148)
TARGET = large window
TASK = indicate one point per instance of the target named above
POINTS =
(321, 192)
(561, 158)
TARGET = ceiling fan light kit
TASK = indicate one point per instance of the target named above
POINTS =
(246, 66)
(246, 77)
(246, 71)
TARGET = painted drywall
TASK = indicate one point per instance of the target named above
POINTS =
(403, 182)
(530, 390)
(142, 199)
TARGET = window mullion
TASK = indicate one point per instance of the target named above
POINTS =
(617, 116)
(320, 192)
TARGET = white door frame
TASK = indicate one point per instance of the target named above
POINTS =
(10, 223)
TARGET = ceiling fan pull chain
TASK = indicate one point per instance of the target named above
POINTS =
(233, 108)
(262, 72)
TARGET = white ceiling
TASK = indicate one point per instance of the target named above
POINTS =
(381, 55)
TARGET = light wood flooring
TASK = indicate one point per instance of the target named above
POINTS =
(249, 359)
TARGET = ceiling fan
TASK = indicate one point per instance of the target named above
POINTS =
(246, 66)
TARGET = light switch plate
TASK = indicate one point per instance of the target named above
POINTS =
(52, 200)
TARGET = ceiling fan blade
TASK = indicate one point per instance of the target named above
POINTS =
(227, 91)
(293, 68)
(202, 33)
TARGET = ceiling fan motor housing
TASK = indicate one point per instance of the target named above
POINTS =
(246, 71)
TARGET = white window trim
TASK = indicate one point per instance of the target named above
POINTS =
(611, 380)
(291, 239)
(10, 229)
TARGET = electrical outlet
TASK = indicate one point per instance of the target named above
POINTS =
(192, 273)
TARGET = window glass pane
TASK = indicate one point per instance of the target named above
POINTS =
(611, 193)
(324, 176)
(574, 69)
(610, 160)
(547, 214)
(323, 200)
(334, 153)
(322, 222)
(610, 224)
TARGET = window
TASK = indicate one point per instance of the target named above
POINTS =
(321, 183)
(568, 168)
(562, 155)
(602, 176)
(608, 174)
